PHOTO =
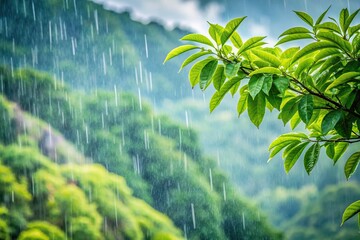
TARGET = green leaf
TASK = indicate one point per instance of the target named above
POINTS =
(193, 57)
(331, 37)
(268, 82)
(330, 120)
(304, 65)
(329, 26)
(289, 109)
(293, 37)
(269, 70)
(306, 108)
(281, 83)
(242, 104)
(230, 28)
(236, 40)
(219, 77)
(295, 30)
(344, 127)
(351, 211)
(339, 150)
(267, 57)
(251, 43)
(195, 71)
(344, 78)
(287, 137)
(305, 17)
(195, 37)
(324, 53)
(289, 53)
(311, 157)
(330, 150)
(256, 109)
(350, 19)
(351, 164)
(275, 150)
(215, 31)
(344, 14)
(219, 95)
(312, 48)
(231, 69)
(322, 16)
(293, 155)
(353, 30)
(255, 84)
(179, 50)
(207, 73)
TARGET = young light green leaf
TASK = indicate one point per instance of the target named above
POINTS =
(351, 164)
(321, 17)
(293, 37)
(255, 84)
(311, 48)
(350, 19)
(329, 26)
(293, 155)
(304, 65)
(215, 31)
(306, 108)
(267, 57)
(195, 71)
(311, 157)
(269, 70)
(351, 211)
(344, 14)
(287, 137)
(179, 50)
(207, 73)
(330, 150)
(236, 40)
(199, 38)
(295, 30)
(344, 78)
(275, 150)
(242, 104)
(256, 109)
(219, 77)
(219, 95)
(251, 43)
(330, 120)
(353, 30)
(289, 53)
(305, 17)
(331, 37)
(339, 150)
(231, 69)
(193, 57)
(230, 28)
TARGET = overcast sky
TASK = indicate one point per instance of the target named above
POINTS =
(265, 17)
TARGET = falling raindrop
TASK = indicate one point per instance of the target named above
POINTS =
(193, 215)
(87, 134)
(75, 8)
(104, 62)
(146, 47)
(185, 231)
(50, 35)
(140, 104)
(116, 96)
(96, 21)
(305, 2)
(122, 58)
(73, 46)
(24, 5)
(285, 4)
(102, 120)
(33, 10)
(110, 56)
(12, 67)
(106, 108)
(12, 196)
(186, 118)
(140, 72)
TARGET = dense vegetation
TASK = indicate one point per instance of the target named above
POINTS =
(316, 85)
(161, 162)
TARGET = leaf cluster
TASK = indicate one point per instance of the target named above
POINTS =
(316, 86)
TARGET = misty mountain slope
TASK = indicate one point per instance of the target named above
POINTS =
(160, 160)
